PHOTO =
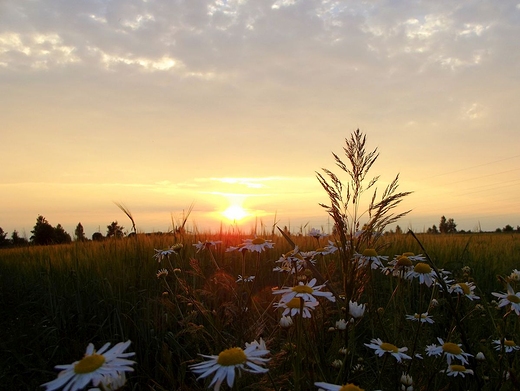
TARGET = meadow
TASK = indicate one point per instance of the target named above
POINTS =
(57, 299)
(357, 309)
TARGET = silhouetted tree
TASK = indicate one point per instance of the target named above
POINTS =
(507, 228)
(3, 240)
(447, 226)
(60, 236)
(433, 230)
(79, 233)
(115, 230)
(97, 236)
(17, 240)
(43, 233)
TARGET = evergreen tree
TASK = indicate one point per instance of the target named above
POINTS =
(80, 233)
(43, 233)
(60, 236)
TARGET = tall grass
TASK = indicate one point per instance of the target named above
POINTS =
(179, 295)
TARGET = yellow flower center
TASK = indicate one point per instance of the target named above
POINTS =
(389, 347)
(408, 254)
(403, 261)
(509, 342)
(89, 364)
(422, 268)
(458, 368)
(513, 299)
(370, 252)
(464, 287)
(453, 348)
(320, 250)
(302, 289)
(258, 241)
(230, 357)
(350, 387)
(294, 303)
(420, 316)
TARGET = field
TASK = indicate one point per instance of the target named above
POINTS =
(55, 300)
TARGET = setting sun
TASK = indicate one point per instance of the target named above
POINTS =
(235, 213)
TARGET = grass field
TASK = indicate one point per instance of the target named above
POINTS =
(57, 299)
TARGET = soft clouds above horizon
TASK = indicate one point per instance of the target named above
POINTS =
(160, 93)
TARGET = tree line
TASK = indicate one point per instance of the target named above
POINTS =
(43, 233)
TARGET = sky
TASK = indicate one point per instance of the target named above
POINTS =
(160, 105)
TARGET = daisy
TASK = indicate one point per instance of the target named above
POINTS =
(370, 257)
(224, 364)
(334, 387)
(423, 318)
(423, 272)
(450, 349)
(257, 245)
(316, 233)
(306, 291)
(161, 254)
(341, 324)
(509, 298)
(102, 366)
(458, 370)
(406, 382)
(515, 275)
(356, 310)
(292, 307)
(509, 345)
(286, 322)
(399, 266)
(162, 273)
(464, 288)
(206, 244)
(245, 278)
(331, 248)
(381, 348)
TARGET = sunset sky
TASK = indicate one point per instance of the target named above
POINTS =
(162, 104)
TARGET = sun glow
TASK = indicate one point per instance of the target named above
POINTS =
(235, 213)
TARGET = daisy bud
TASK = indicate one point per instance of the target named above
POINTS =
(480, 356)
(356, 310)
(286, 321)
(341, 324)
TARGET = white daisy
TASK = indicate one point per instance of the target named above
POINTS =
(464, 288)
(292, 307)
(334, 387)
(509, 345)
(515, 275)
(458, 370)
(226, 363)
(162, 254)
(356, 310)
(206, 244)
(306, 291)
(510, 297)
(245, 278)
(423, 318)
(450, 349)
(316, 233)
(399, 266)
(370, 257)
(286, 322)
(96, 366)
(381, 348)
(257, 245)
(423, 272)
(331, 248)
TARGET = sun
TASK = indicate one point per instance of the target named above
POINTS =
(235, 213)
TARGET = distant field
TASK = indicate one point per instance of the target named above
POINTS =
(56, 299)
